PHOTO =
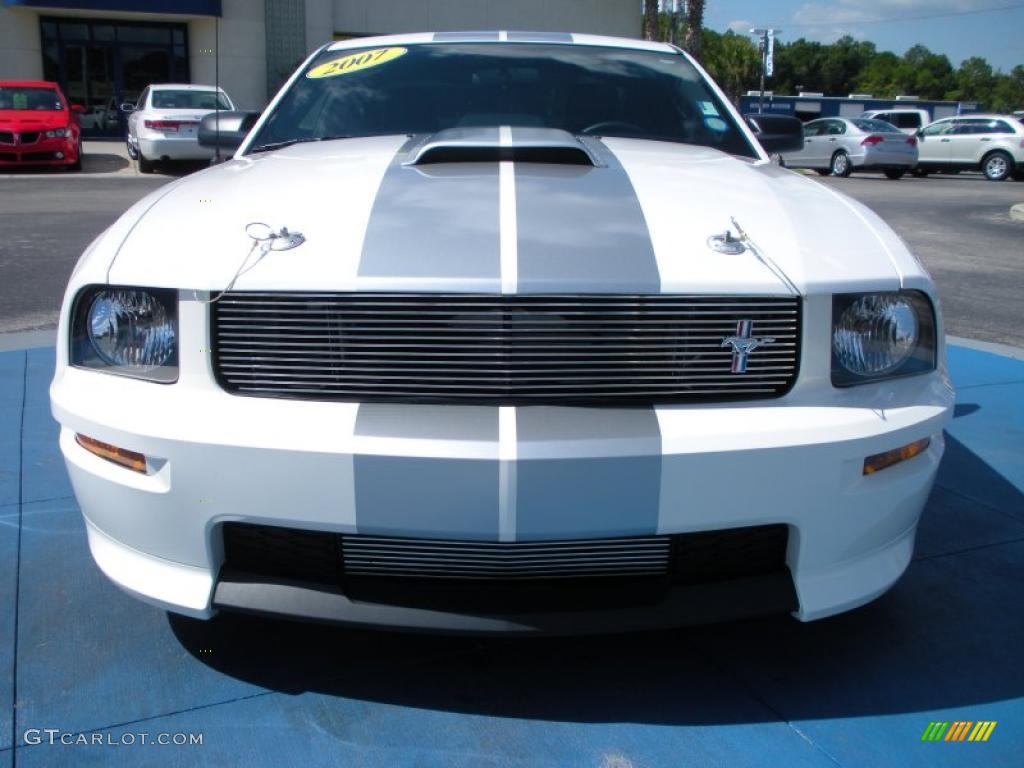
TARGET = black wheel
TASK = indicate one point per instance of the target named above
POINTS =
(77, 165)
(894, 173)
(145, 166)
(997, 166)
(841, 165)
(822, 171)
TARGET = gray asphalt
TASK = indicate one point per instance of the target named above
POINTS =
(959, 226)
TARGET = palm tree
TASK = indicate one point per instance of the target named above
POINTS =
(694, 25)
(650, 19)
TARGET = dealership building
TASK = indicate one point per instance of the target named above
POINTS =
(104, 52)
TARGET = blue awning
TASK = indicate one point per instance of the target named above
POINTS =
(181, 7)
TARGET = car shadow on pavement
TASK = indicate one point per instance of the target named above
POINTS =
(948, 635)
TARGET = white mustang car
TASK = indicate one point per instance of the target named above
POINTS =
(501, 332)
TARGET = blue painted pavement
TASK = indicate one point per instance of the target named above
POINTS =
(855, 690)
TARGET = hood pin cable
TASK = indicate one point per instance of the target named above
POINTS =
(265, 239)
(774, 268)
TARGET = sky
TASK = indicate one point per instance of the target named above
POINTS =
(993, 29)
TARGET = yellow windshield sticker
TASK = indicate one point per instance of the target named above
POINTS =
(355, 62)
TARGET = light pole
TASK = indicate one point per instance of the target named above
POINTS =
(767, 35)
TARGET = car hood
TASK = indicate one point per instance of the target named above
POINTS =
(32, 119)
(640, 221)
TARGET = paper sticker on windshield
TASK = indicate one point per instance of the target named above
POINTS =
(355, 62)
(708, 108)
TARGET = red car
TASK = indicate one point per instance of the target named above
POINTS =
(38, 126)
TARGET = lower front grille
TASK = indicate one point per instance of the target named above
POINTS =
(290, 554)
(394, 557)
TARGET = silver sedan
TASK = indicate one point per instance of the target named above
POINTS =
(840, 145)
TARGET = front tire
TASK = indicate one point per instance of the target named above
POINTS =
(894, 173)
(841, 165)
(997, 166)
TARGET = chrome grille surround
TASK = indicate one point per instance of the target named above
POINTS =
(605, 349)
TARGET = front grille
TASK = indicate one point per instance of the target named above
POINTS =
(6, 137)
(8, 156)
(29, 138)
(330, 558)
(486, 349)
(379, 556)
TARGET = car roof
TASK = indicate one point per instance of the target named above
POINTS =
(503, 37)
(184, 87)
(29, 84)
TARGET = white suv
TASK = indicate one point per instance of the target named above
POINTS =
(992, 143)
(906, 119)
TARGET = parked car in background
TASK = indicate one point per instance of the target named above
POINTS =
(839, 145)
(993, 144)
(38, 126)
(163, 125)
(907, 120)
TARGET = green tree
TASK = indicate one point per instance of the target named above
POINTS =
(733, 61)
(694, 26)
(1008, 91)
(974, 81)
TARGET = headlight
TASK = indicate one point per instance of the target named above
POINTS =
(881, 335)
(129, 331)
(61, 133)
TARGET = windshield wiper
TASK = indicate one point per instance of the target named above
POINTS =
(282, 144)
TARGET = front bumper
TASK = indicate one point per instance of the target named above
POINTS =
(58, 151)
(494, 474)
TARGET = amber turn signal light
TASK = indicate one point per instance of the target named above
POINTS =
(881, 461)
(128, 459)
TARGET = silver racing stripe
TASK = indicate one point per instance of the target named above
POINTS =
(582, 229)
(580, 474)
(437, 222)
(427, 471)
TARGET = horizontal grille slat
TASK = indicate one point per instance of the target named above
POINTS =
(453, 348)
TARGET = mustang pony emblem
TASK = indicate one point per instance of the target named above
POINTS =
(743, 344)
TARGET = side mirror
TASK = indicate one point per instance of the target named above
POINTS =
(777, 133)
(226, 129)
(127, 107)
(77, 109)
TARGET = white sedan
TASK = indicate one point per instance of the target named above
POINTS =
(501, 332)
(164, 123)
(840, 146)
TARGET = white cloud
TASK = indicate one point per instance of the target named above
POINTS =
(741, 26)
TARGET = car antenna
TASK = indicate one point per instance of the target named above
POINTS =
(216, 90)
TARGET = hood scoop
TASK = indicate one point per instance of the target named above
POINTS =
(488, 145)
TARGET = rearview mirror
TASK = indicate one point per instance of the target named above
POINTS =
(127, 107)
(226, 129)
(77, 109)
(777, 133)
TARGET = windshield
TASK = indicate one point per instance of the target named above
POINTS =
(43, 99)
(427, 88)
(189, 100)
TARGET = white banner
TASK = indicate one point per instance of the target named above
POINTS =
(769, 63)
